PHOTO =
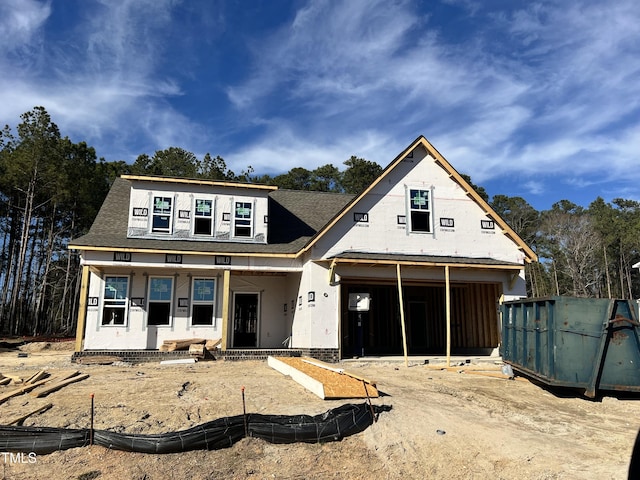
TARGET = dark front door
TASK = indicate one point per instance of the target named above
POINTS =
(245, 320)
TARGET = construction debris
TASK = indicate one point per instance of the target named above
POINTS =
(493, 371)
(178, 361)
(197, 350)
(38, 411)
(325, 381)
(184, 344)
(40, 378)
(57, 386)
(212, 344)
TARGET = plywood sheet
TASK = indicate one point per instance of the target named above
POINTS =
(335, 384)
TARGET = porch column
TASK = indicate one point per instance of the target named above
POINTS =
(448, 312)
(82, 309)
(404, 330)
(226, 290)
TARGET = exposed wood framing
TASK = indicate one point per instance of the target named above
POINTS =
(82, 309)
(404, 329)
(226, 292)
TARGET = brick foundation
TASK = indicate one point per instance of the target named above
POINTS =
(133, 356)
(330, 355)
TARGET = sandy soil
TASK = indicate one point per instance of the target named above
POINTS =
(444, 424)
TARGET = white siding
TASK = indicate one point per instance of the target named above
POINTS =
(388, 200)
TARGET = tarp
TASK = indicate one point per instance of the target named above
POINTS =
(333, 425)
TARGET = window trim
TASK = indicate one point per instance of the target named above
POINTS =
(195, 302)
(170, 301)
(410, 209)
(211, 216)
(162, 196)
(250, 219)
(106, 301)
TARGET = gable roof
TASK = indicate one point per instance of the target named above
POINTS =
(295, 217)
(530, 255)
(298, 218)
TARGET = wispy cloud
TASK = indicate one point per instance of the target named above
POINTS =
(533, 90)
(539, 90)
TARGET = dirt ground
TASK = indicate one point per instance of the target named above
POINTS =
(444, 424)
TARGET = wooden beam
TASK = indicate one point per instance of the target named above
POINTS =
(30, 386)
(390, 262)
(82, 309)
(332, 271)
(226, 292)
(38, 411)
(404, 329)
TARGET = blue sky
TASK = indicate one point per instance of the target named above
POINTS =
(532, 99)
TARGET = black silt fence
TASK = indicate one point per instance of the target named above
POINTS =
(331, 426)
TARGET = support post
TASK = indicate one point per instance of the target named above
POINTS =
(448, 312)
(82, 308)
(404, 330)
(226, 291)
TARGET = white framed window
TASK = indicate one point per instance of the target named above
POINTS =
(160, 301)
(203, 301)
(420, 218)
(115, 300)
(243, 219)
(162, 214)
(203, 217)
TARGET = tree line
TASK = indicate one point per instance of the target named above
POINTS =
(52, 188)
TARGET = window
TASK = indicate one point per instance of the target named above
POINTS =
(160, 295)
(202, 301)
(203, 218)
(242, 220)
(114, 311)
(161, 221)
(420, 211)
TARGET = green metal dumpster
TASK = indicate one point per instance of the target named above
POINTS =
(584, 343)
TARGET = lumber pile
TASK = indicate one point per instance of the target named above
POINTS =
(183, 344)
(212, 344)
(40, 378)
(197, 350)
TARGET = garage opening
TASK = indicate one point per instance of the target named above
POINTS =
(378, 331)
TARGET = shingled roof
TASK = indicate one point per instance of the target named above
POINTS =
(294, 218)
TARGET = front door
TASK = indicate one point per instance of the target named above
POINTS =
(245, 320)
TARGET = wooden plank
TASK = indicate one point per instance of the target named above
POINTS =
(497, 375)
(27, 388)
(178, 361)
(183, 344)
(59, 385)
(197, 350)
(17, 377)
(38, 411)
(37, 376)
(5, 381)
(212, 344)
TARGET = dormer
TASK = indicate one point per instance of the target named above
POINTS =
(198, 210)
